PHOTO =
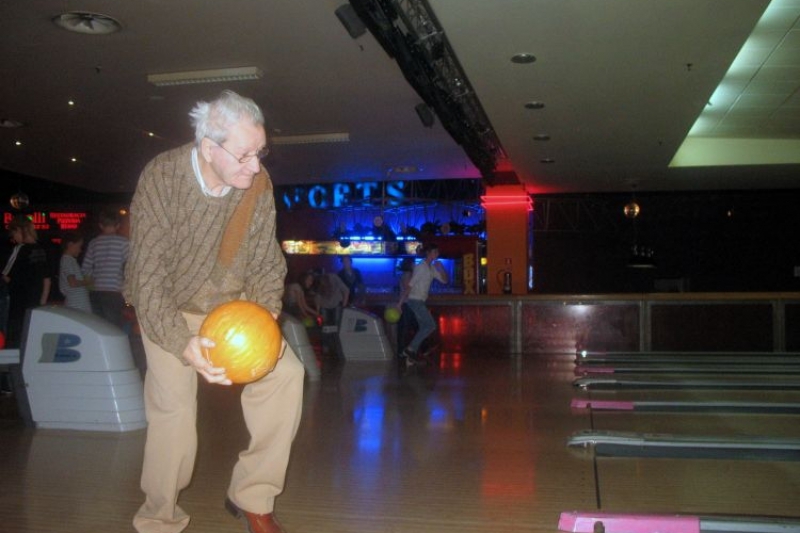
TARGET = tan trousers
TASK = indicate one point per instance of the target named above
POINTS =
(271, 407)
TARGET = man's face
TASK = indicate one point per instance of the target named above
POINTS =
(244, 140)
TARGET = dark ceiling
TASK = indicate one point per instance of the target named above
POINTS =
(619, 85)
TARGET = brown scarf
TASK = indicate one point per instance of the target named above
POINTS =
(240, 220)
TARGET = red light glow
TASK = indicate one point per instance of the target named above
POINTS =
(489, 202)
(43, 221)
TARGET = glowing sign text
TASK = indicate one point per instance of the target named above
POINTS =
(44, 221)
(341, 194)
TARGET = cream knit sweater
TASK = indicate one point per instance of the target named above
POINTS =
(174, 263)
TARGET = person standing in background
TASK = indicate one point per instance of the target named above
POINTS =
(28, 279)
(70, 279)
(332, 296)
(103, 267)
(6, 386)
(354, 281)
(4, 297)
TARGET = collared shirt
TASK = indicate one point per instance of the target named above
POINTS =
(197, 174)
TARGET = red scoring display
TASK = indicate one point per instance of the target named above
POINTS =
(56, 220)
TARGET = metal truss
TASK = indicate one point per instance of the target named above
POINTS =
(410, 32)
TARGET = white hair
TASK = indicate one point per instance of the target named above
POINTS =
(214, 119)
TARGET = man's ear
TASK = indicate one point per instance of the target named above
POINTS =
(205, 149)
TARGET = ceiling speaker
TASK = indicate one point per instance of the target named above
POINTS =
(425, 115)
(349, 19)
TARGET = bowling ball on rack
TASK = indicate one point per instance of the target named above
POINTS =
(309, 322)
(391, 315)
(247, 340)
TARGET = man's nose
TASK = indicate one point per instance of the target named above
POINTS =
(254, 165)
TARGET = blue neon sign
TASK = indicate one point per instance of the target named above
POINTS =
(332, 195)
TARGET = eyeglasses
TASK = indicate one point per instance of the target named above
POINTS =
(261, 154)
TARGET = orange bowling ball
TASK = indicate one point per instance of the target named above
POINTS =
(247, 340)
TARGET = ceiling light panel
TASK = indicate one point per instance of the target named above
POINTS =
(205, 76)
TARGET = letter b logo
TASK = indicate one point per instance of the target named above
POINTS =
(58, 348)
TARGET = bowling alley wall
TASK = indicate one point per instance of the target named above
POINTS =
(703, 241)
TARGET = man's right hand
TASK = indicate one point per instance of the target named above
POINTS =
(193, 354)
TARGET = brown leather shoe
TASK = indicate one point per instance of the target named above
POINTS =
(256, 523)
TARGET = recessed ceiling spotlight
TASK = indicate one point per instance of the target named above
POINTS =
(534, 105)
(87, 22)
(523, 59)
(541, 137)
(547, 160)
(17, 143)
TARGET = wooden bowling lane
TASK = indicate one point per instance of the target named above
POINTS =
(465, 447)
(473, 444)
(759, 487)
(476, 443)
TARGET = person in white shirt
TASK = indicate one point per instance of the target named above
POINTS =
(416, 294)
(70, 279)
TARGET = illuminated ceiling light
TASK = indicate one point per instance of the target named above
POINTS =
(17, 143)
(547, 160)
(541, 137)
(631, 209)
(708, 142)
(73, 159)
(534, 105)
(71, 103)
(313, 138)
(523, 59)
(205, 76)
(87, 22)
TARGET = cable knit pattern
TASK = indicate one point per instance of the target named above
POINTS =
(176, 233)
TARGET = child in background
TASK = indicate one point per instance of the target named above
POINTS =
(104, 262)
(70, 279)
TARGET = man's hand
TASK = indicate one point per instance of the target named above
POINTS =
(193, 354)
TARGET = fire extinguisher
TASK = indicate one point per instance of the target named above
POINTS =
(504, 277)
